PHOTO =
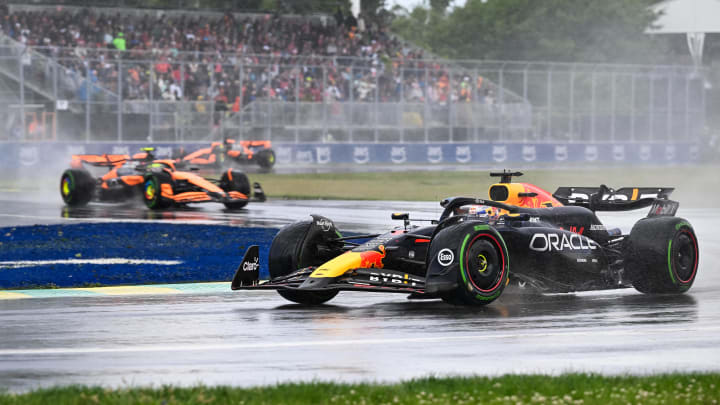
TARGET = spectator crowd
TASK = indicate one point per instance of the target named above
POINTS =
(234, 60)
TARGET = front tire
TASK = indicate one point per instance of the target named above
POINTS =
(77, 187)
(482, 263)
(297, 246)
(152, 190)
(662, 255)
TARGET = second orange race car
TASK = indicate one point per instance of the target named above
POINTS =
(160, 182)
(229, 152)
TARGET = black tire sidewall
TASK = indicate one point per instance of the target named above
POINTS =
(652, 255)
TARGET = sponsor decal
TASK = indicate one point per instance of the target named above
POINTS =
(165, 151)
(528, 153)
(534, 219)
(324, 224)
(361, 154)
(462, 154)
(304, 156)
(619, 152)
(394, 278)
(75, 150)
(445, 257)
(251, 266)
(499, 153)
(670, 152)
(694, 152)
(645, 152)
(575, 229)
(323, 154)
(120, 150)
(549, 242)
(591, 153)
(29, 156)
(561, 152)
(372, 258)
(398, 154)
(284, 154)
(434, 154)
(598, 227)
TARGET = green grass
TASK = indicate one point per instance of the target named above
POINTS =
(695, 186)
(512, 389)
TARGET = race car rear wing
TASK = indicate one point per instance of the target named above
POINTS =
(604, 198)
(98, 160)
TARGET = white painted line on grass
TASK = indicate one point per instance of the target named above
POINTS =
(106, 261)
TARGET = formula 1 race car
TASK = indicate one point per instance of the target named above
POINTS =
(222, 155)
(159, 182)
(523, 234)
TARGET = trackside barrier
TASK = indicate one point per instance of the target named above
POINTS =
(40, 155)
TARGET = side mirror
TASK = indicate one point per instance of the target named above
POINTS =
(404, 216)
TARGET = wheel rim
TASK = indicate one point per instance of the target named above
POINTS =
(150, 190)
(66, 186)
(484, 265)
(685, 257)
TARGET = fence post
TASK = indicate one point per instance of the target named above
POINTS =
(426, 105)
(501, 99)
(687, 107)
(632, 107)
(668, 135)
(87, 102)
(151, 102)
(22, 94)
(703, 100)
(376, 103)
(297, 106)
(402, 105)
(241, 73)
(475, 103)
(450, 106)
(571, 115)
(549, 103)
(119, 101)
(651, 109)
(325, 104)
(612, 105)
(525, 98)
(592, 104)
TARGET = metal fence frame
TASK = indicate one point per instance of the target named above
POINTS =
(516, 102)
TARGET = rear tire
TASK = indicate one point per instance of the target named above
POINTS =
(232, 180)
(77, 187)
(662, 255)
(483, 262)
(296, 247)
(152, 190)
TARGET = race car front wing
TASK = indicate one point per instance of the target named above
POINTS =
(360, 279)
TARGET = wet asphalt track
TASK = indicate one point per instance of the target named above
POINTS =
(221, 337)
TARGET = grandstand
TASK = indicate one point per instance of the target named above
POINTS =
(173, 75)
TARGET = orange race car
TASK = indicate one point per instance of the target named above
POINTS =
(224, 154)
(159, 182)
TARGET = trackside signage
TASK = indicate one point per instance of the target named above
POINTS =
(36, 155)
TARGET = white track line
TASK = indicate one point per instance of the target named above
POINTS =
(353, 342)
(106, 261)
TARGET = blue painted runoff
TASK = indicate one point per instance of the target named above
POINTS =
(204, 253)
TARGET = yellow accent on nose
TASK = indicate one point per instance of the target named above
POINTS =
(338, 266)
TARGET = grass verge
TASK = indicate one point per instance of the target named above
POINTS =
(694, 185)
(697, 186)
(511, 389)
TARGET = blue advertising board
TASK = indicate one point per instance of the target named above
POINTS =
(38, 155)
